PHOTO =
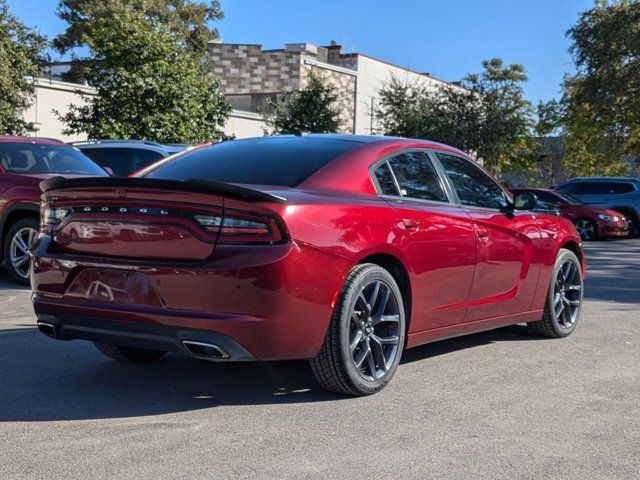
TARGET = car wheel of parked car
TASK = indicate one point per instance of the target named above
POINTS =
(634, 225)
(366, 336)
(129, 354)
(16, 248)
(586, 228)
(564, 299)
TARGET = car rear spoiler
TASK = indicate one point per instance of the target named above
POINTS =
(200, 186)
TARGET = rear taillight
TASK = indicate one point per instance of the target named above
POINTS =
(210, 222)
(237, 227)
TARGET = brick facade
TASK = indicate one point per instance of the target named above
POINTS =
(243, 69)
(249, 75)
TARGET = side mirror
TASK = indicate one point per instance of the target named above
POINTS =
(109, 171)
(525, 201)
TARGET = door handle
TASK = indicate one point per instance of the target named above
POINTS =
(411, 224)
(483, 233)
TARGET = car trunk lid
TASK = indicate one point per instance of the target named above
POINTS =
(150, 218)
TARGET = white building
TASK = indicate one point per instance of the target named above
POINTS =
(248, 74)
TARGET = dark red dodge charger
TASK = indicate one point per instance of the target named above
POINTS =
(340, 249)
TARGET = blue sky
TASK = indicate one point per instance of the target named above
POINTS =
(447, 38)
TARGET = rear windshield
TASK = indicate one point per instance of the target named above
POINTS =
(278, 161)
(34, 158)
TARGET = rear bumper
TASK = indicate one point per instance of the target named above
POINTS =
(141, 335)
(272, 303)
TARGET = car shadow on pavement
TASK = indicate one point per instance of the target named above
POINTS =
(47, 380)
(517, 333)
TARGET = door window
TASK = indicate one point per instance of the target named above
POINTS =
(417, 177)
(474, 187)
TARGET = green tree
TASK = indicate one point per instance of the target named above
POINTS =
(148, 84)
(311, 109)
(486, 114)
(186, 19)
(602, 100)
(550, 116)
(21, 58)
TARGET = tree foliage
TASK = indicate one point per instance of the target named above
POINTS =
(486, 115)
(21, 58)
(311, 109)
(148, 85)
(602, 100)
(550, 116)
(187, 20)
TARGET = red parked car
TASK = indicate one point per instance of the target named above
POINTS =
(592, 223)
(344, 250)
(24, 163)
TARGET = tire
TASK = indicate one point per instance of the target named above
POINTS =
(634, 225)
(587, 229)
(368, 325)
(20, 235)
(563, 307)
(129, 354)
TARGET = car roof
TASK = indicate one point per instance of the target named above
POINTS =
(600, 179)
(155, 147)
(369, 139)
(32, 140)
(533, 189)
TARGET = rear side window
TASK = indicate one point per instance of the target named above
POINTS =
(278, 161)
(597, 188)
(417, 177)
(385, 180)
(620, 187)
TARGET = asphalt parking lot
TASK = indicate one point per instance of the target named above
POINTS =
(501, 404)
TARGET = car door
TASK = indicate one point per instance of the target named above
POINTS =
(507, 264)
(436, 236)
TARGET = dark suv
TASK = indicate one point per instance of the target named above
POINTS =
(620, 194)
(24, 163)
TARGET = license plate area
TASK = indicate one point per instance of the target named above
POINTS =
(114, 287)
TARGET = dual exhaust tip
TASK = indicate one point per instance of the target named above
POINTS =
(209, 351)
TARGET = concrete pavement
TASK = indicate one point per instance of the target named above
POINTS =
(500, 404)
